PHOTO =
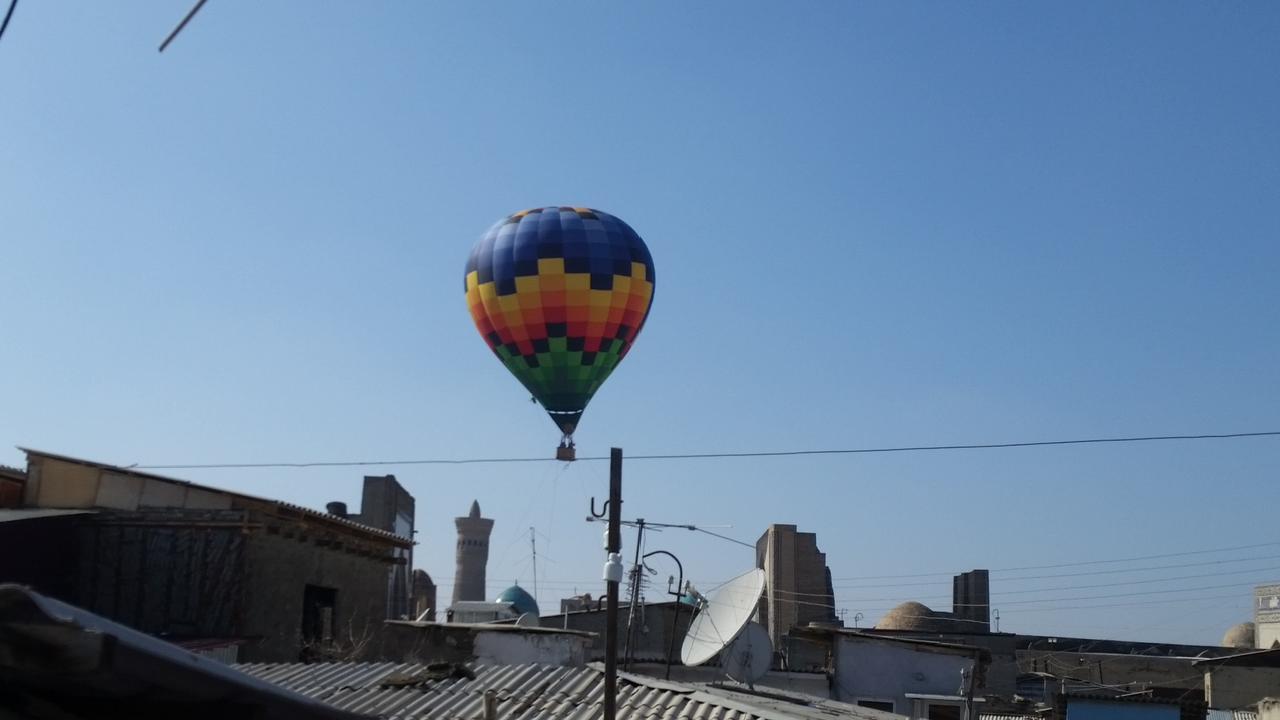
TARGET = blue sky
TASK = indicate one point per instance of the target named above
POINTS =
(873, 223)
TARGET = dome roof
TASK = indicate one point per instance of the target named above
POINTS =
(520, 600)
(912, 615)
(1239, 636)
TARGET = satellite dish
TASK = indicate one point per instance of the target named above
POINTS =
(528, 620)
(747, 659)
(720, 619)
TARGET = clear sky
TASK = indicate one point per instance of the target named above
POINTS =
(873, 224)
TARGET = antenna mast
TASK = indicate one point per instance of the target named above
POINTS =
(533, 545)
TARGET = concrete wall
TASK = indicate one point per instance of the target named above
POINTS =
(412, 642)
(1139, 671)
(653, 630)
(1236, 688)
(513, 648)
(174, 573)
(1269, 709)
(1267, 635)
(1002, 673)
(277, 570)
(885, 670)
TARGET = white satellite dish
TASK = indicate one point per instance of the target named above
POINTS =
(721, 618)
(748, 658)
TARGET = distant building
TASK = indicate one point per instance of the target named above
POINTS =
(921, 679)
(652, 640)
(970, 609)
(521, 601)
(472, 612)
(1239, 682)
(1266, 616)
(484, 643)
(196, 564)
(510, 604)
(473, 555)
(1241, 637)
(424, 596)
(798, 588)
(578, 603)
(386, 505)
(12, 481)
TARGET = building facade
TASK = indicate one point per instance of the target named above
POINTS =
(921, 679)
(797, 589)
(1266, 616)
(190, 563)
(386, 505)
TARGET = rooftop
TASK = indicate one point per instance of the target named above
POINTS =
(422, 692)
(284, 508)
(1259, 659)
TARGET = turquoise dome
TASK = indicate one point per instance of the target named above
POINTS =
(522, 601)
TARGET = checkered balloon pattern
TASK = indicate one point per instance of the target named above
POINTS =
(560, 294)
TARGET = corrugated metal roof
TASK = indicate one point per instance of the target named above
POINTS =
(1232, 715)
(524, 692)
(14, 514)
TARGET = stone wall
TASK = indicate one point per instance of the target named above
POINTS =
(278, 567)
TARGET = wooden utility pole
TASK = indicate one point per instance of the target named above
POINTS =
(611, 611)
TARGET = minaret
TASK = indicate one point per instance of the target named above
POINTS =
(473, 555)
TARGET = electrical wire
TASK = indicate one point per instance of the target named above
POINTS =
(1081, 563)
(719, 455)
(1057, 588)
(9, 14)
(723, 537)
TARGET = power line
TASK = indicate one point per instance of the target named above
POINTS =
(185, 19)
(1129, 594)
(1114, 571)
(5, 24)
(1051, 576)
(718, 455)
(1055, 608)
(1076, 563)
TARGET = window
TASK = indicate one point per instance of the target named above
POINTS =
(317, 613)
(885, 705)
(944, 711)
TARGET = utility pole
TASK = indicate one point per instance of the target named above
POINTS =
(533, 545)
(635, 594)
(613, 576)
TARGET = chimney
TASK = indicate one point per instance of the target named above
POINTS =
(337, 508)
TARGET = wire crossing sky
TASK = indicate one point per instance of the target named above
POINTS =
(725, 455)
(880, 227)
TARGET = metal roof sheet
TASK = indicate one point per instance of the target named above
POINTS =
(14, 514)
(524, 692)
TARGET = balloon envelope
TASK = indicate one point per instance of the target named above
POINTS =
(560, 294)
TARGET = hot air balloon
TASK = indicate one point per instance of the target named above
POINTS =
(560, 294)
